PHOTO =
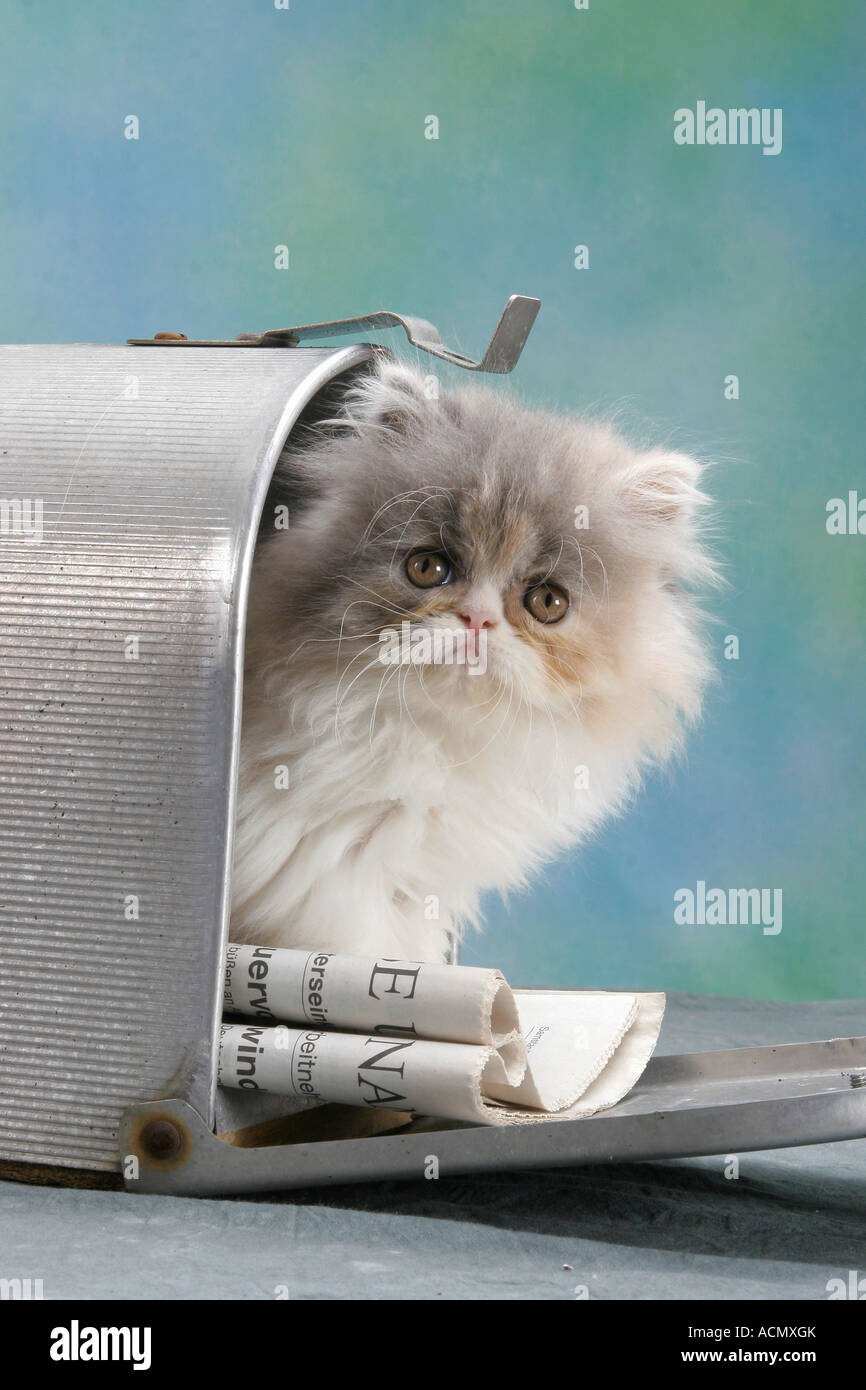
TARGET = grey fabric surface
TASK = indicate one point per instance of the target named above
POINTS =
(793, 1220)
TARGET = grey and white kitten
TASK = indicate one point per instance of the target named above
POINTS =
(379, 798)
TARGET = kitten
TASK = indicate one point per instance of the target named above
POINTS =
(377, 801)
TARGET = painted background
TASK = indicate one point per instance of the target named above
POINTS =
(305, 127)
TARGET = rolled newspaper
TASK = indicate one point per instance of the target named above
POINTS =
(447, 1003)
(446, 1041)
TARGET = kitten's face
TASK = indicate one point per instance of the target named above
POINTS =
(545, 550)
(492, 566)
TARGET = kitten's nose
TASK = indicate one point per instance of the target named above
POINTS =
(477, 618)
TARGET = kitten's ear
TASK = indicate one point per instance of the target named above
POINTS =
(664, 486)
(663, 495)
(392, 398)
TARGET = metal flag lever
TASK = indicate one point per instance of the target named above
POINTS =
(501, 355)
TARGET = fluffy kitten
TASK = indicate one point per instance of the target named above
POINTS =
(378, 801)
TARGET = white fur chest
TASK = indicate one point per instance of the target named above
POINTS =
(385, 841)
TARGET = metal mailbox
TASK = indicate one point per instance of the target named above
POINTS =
(132, 480)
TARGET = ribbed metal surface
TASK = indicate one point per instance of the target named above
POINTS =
(120, 657)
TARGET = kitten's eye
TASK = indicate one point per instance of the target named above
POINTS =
(546, 603)
(427, 568)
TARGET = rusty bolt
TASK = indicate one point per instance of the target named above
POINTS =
(161, 1139)
(171, 337)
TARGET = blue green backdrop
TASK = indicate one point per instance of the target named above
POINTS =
(305, 127)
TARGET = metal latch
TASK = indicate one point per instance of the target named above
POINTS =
(501, 354)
